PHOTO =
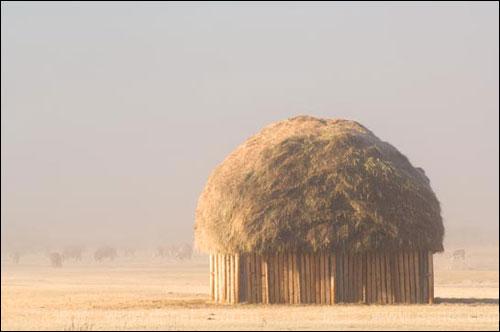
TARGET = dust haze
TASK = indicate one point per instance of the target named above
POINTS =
(114, 116)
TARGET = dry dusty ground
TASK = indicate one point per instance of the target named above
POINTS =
(167, 296)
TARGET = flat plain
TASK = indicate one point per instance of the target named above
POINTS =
(148, 294)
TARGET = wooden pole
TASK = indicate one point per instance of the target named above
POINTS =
(388, 275)
(237, 278)
(211, 281)
(290, 278)
(326, 278)
(230, 276)
(358, 289)
(339, 273)
(296, 277)
(383, 277)
(375, 291)
(328, 299)
(302, 279)
(280, 279)
(229, 283)
(395, 280)
(256, 283)
(354, 278)
(258, 279)
(361, 278)
(346, 278)
(402, 287)
(233, 278)
(431, 278)
(424, 271)
(271, 280)
(375, 275)
(359, 272)
(285, 278)
(412, 277)
(219, 272)
(276, 279)
(216, 277)
(378, 273)
(248, 277)
(221, 278)
(317, 265)
(407, 278)
(312, 280)
(265, 280)
(307, 270)
(333, 281)
(357, 277)
(418, 279)
(365, 277)
(368, 278)
(321, 279)
(226, 279)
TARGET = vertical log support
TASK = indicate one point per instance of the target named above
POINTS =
(302, 279)
(211, 279)
(368, 278)
(395, 280)
(290, 269)
(340, 278)
(425, 281)
(412, 278)
(317, 274)
(297, 278)
(277, 279)
(388, 276)
(407, 278)
(333, 266)
(265, 280)
(418, 279)
(364, 278)
(321, 278)
(327, 278)
(237, 281)
(307, 270)
(431, 277)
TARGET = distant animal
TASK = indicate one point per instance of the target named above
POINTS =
(129, 252)
(183, 252)
(16, 257)
(165, 251)
(457, 260)
(55, 259)
(105, 252)
(73, 252)
(458, 254)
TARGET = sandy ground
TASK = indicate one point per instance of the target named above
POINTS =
(133, 294)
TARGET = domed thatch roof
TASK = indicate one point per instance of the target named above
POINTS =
(308, 184)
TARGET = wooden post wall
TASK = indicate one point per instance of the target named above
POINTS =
(322, 278)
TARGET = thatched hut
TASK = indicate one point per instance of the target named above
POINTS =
(319, 211)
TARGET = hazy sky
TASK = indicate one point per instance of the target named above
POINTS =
(113, 116)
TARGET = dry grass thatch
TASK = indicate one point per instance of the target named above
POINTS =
(308, 184)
